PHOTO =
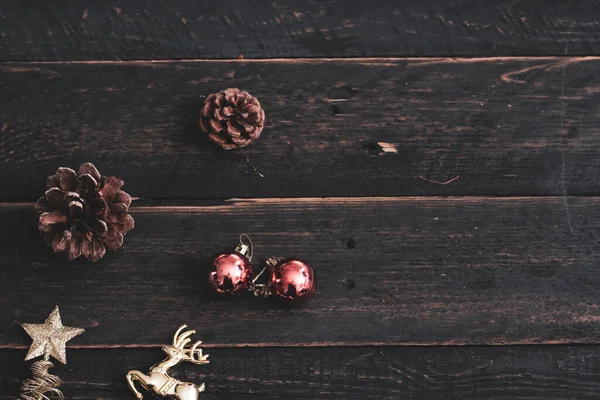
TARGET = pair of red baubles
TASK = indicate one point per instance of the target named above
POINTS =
(291, 279)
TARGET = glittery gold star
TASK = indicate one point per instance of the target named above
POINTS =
(50, 338)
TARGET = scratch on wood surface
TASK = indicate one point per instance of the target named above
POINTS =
(565, 195)
(438, 182)
(419, 62)
(510, 77)
(587, 318)
(349, 363)
(562, 131)
(387, 147)
(15, 68)
(412, 374)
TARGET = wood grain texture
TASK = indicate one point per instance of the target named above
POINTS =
(427, 271)
(435, 373)
(504, 127)
(88, 30)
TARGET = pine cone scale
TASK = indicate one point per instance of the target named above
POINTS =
(89, 169)
(75, 248)
(233, 130)
(220, 114)
(45, 228)
(111, 187)
(55, 197)
(218, 138)
(63, 242)
(247, 127)
(251, 108)
(122, 197)
(254, 135)
(67, 179)
(121, 202)
(75, 208)
(93, 249)
(216, 125)
(240, 141)
(87, 184)
(97, 226)
(51, 181)
(123, 223)
(208, 108)
(54, 217)
(256, 119)
(113, 238)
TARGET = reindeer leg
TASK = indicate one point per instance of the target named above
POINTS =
(137, 376)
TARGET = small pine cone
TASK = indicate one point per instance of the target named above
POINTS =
(83, 213)
(232, 118)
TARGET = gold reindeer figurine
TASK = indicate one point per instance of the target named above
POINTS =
(160, 382)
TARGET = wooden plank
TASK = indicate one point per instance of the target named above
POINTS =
(466, 373)
(88, 30)
(334, 128)
(426, 271)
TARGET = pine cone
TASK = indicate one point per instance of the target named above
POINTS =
(83, 213)
(232, 118)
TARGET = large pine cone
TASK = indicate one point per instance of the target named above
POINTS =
(232, 118)
(83, 213)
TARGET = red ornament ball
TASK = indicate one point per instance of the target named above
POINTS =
(294, 280)
(230, 273)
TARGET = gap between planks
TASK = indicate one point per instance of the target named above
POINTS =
(311, 200)
(359, 60)
(447, 344)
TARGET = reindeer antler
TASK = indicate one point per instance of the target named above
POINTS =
(180, 340)
(200, 359)
(176, 335)
(193, 354)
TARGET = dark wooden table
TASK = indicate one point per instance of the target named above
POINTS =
(437, 161)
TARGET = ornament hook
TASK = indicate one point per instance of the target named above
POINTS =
(243, 248)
